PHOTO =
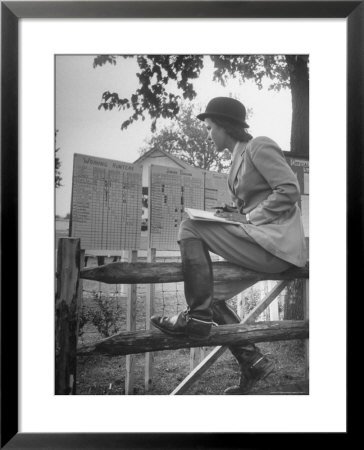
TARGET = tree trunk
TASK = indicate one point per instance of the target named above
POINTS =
(299, 77)
(293, 302)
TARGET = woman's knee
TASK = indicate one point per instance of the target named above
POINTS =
(188, 230)
(229, 289)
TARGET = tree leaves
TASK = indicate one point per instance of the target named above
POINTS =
(160, 75)
(103, 59)
(159, 72)
(156, 73)
(57, 164)
(253, 67)
(186, 138)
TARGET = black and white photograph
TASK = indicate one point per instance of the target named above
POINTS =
(181, 203)
(182, 224)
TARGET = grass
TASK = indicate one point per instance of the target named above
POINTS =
(105, 375)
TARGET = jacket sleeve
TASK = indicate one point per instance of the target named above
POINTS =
(269, 161)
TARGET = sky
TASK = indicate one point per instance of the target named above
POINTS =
(82, 128)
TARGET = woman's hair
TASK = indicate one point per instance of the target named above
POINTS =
(234, 130)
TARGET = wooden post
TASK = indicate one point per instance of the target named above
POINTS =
(123, 290)
(273, 307)
(131, 326)
(100, 262)
(80, 288)
(149, 311)
(240, 302)
(197, 354)
(66, 319)
(266, 315)
(306, 298)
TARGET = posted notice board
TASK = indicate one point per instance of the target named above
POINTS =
(216, 190)
(170, 191)
(106, 206)
(301, 168)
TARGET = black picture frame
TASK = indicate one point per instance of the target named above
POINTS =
(11, 13)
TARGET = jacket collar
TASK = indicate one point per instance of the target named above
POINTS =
(238, 156)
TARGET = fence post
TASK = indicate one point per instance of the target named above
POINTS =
(149, 311)
(273, 307)
(67, 304)
(131, 326)
(100, 262)
(80, 288)
(240, 305)
(197, 354)
(123, 287)
(306, 298)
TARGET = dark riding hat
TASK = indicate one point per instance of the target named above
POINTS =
(225, 108)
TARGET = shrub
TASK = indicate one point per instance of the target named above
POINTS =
(83, 318)
(105, 316)
(251, 300)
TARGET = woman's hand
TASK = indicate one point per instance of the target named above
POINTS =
(226, 208)
(235, 216)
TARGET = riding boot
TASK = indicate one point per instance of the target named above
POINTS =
(253, 365)
(196, 321)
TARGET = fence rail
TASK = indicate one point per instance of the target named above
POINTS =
(126, 343)
(140, 272)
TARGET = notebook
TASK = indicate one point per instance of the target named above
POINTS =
(200, 214)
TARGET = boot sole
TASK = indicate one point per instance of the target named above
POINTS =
(262, 377)
(177, 333)
(265, 374)
(171, 333)
(239, 391)
(269, 371)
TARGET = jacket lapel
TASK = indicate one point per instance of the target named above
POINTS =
(236, 163)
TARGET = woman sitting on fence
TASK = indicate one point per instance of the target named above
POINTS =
(269, 238)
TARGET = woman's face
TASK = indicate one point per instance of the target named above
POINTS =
(216, 134)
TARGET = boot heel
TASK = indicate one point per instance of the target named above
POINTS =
(198, 329)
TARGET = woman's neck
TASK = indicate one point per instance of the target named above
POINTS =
(231, 143)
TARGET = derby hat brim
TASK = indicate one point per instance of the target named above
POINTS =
(207, 115)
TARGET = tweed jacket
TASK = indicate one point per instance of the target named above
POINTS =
(264, 187)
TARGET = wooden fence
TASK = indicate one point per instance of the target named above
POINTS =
(69, 280)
